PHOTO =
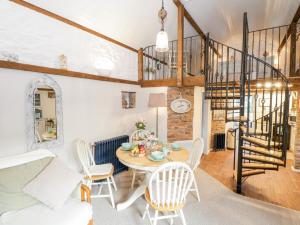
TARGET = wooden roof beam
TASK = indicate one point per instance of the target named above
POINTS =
(289, 31)
(193, 23)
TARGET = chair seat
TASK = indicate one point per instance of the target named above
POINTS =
(100, 170)
(162, 208)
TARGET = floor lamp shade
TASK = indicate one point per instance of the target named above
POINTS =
(157, 100)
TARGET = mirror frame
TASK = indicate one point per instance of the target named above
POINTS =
(30, 114)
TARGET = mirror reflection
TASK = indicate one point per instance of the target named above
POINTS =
(45, 114)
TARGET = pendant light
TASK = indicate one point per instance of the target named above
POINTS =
(162, 41)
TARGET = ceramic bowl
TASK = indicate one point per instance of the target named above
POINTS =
(157, 155)
(175, 146)
(126, 145)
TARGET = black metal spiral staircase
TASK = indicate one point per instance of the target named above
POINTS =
(249, 86)
(255, 95)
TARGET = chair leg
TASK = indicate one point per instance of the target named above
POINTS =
(156, 217)
(133, 178)
(196, 189)
(110, 193)
(114, 183)
(182, 217)
(146, 211)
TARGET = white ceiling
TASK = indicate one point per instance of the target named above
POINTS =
(135, 22)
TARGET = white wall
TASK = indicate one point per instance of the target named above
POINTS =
(33, 38)
(91, 110)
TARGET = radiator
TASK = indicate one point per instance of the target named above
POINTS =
(219, 141)
(105, 152)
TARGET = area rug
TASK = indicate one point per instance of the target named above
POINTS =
(218, 206)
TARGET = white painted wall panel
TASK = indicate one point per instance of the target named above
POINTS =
(36, 39)
(91, 110)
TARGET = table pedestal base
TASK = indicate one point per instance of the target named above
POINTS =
(140, 191)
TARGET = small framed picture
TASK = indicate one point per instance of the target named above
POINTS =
(128, 99)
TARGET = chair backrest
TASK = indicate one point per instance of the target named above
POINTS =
(169, 184)
(85, 155)
(196, 153)
(139, 134)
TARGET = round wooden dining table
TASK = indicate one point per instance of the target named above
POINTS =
(148, 166)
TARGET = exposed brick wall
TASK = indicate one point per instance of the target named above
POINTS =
(297, 138)
(217, 126)
(180, 126)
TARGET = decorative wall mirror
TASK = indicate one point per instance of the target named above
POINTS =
(44, 114)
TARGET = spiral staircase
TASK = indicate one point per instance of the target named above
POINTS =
(255, 96)
(250, 89)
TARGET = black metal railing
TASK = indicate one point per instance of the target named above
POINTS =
(161, 66)
(273, 46)
(247, 87)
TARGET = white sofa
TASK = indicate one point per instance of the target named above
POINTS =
(77, 210)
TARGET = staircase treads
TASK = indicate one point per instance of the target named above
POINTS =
(224, 96)
(264, 159)
(260, 142)
(237, 119)
(222, 88)
(263, 151)
(259, 166)
(252, 131)
(224, 108)
(252, 172)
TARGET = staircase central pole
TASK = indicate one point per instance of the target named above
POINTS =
(242, 102)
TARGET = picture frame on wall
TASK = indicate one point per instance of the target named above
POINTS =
(128, 100)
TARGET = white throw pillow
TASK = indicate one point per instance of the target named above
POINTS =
(54, 184)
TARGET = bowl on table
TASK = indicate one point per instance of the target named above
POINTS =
(126, 146)
(157, 155)
(175, 146)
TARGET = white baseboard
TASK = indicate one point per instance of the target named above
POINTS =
(295, 170)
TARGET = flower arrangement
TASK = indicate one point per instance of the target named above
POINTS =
(140, 125)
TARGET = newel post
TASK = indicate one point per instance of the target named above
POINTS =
(180, 45)
(140, 66)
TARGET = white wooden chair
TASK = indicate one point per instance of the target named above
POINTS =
(167, 190)
(194, 161)
(133, 138)
(196, 150)
(95, 172)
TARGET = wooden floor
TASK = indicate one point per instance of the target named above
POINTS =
(278, 187)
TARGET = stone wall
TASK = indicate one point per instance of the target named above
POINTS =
(180, 126)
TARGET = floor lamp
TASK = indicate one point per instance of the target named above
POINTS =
(157, 100)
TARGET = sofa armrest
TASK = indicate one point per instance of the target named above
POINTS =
(86, 197)
(85, 193)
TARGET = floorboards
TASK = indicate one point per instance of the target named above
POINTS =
(278, 187)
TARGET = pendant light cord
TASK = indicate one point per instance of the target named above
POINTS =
(162, 19)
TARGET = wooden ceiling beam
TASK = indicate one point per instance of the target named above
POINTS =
(71, 23)
(290, 29)
(61, 72)
(194, 24)
(191, 20)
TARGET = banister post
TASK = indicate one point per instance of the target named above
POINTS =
(293, 49)
(140, 66)
(180, 45)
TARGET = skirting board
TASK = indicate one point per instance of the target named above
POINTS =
(295, 170)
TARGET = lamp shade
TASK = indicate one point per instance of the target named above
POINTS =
(157, 100)
(162, 41)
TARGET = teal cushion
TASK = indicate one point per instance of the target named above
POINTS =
(12, 181)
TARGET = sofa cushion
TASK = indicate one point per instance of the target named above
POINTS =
(13, 180)
(54, 184)
(73, 212)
